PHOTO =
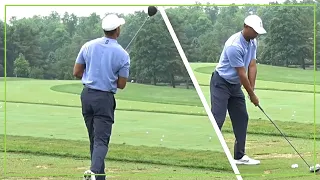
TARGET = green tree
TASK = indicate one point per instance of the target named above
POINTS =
(21, 66)
(1, 70)
(36, 73)
(289, 40)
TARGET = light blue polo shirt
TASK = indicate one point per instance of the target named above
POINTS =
(105, 60)
(237, 52)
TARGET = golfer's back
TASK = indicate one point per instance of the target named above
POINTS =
(105, 60)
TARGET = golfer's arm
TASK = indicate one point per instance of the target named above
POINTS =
(124, 73)
(78, 70)
(80, 64)
(252, 73)
(234, 54)
(244, 80)
(122, 82)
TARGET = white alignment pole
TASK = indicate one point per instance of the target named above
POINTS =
(202, 98)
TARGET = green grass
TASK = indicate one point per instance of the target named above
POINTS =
(130, 127)
(60, 167)
(17, 79)
(281, 105)
(275, 161)
(276, 74)
(48, 114)
(203, 73)
(145, 93)
(120, 152)
(39, 92)
(24, 119)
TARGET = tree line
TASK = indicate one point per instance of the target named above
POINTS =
(45, 47)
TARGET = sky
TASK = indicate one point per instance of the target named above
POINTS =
(30, 11)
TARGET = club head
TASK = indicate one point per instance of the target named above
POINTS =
(152, 10)
(315, 168)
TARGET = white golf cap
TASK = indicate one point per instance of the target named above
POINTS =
(255, 22)
(111, 22)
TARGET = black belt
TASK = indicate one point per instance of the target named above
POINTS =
(97, 89)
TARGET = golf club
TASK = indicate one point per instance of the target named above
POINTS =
(311, 168)
(152, 10)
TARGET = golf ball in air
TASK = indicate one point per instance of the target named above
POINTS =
(147, 132)
(294, 166)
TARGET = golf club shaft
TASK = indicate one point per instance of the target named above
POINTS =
(137, 33)
(283, 135)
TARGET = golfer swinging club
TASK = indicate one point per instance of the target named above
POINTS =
(103, 66)
(238, 57)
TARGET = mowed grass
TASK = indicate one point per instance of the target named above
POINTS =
(135, 128)
(278, 82)
(145, 93)
(39, 92)
(45, 166)
(275, 74)
(53, 121)
(131, 127)
(280, 99)
(281, 105)
(275, 161)
(23, 163)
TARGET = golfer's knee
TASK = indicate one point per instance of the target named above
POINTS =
(245, 116)
(220, 120)
(102, 138)
(219, 116)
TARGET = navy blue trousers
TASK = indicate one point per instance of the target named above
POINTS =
(98, 111)
(226, 96)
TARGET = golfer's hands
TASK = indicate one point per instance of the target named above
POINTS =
(254, 99)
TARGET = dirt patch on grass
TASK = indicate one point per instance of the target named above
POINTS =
(42, 167)
(82, 168)
(112, 170)
(267, 172)
(286, 156)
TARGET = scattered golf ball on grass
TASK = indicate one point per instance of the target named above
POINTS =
(294, 166)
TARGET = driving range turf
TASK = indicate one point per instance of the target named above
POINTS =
(46, 135)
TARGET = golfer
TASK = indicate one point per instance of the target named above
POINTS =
(103, 66)
(237, 58)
